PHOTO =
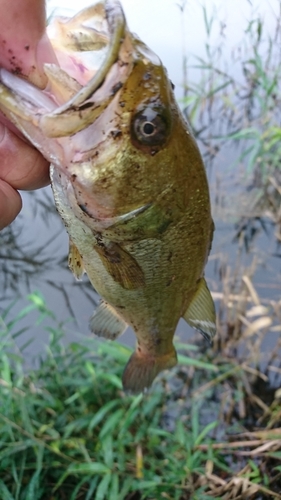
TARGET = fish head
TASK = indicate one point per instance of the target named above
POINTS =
(108, 118)
(128, 141)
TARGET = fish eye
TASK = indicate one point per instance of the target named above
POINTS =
(150, 127)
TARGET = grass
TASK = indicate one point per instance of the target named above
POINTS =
(69, 431)
(233, 100)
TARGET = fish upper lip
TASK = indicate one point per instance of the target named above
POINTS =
(117, 26)
(90, 101)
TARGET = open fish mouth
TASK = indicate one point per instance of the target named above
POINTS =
(116, 27)
(88, 101)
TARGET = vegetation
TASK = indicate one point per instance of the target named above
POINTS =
(204, 429)
(234, 103)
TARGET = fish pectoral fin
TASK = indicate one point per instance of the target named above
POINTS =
(121, 266)
(142, 369)
(201, 313)
(106, 323)
(75, 262)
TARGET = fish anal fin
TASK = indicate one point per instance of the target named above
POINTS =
(121, 266)
(106, 323)
(201, 313)
(142, 369)
(75, 261)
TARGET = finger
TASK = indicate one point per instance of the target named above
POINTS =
(24, 45)
(21, 165)
(10, 204)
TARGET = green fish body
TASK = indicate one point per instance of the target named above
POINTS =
(128, 182)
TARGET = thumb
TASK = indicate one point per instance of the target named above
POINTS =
(24, 45)
(10, 204)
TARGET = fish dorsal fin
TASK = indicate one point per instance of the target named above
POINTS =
(75, 261)
(121, 266)
(201, 313)
(106, 323)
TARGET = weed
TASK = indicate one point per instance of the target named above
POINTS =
(69, 431)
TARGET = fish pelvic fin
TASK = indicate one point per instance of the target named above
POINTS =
(201, 313)
(106, 322)
(142, 369)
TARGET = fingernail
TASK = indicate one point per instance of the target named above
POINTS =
(2, 131)
(44, 54)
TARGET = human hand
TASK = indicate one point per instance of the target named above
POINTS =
(24, 47)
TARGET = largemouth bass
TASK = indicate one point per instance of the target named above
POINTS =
(128, 181)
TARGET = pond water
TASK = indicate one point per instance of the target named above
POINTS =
(33, 251)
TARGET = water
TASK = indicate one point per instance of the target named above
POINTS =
(33, 253)
(43, 266)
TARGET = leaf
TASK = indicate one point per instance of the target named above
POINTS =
(84, 468)
(5, 370)
(113, 379)
(215, 90)
(100, 415)
(87, 468)
(16, 447)
(114, 487)
(34, 485)
(6, 311)
(127, 486)
(112, 422)
(75, 492)
(92, 488)
(184, 360)
(19, 332)
(180, 434)
(205, 431)
(5, 493)
(102, 488)
(186, 347)
(275, 454)
(159, 432)
(195, 420)
(245, 133)
(257, 325)
(107, 447)
(24, 312)
(131, 414)
(37, 299)
(144, 485)
(116, 351)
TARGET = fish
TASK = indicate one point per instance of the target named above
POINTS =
(128, 181)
